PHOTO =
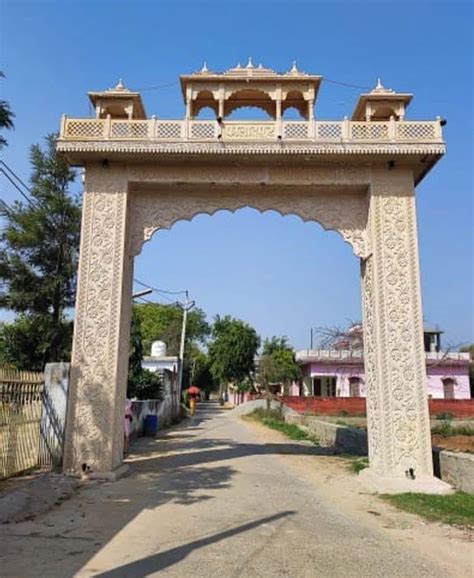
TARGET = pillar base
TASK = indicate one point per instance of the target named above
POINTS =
(109, 476)
(377, 483)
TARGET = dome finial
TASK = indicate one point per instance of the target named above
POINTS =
(204, 67)
(249, 63)
(120, 85)
(294, 68)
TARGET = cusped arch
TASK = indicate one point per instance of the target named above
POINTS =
(152, 212)
(204, 99)
(247, 98)
(295, 99)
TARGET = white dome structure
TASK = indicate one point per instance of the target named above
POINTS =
(158, 349)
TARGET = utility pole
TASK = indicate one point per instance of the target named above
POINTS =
(187, 306)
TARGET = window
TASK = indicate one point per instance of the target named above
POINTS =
(354, 386)
(448, 388)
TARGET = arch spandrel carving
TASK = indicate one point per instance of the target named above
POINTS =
(341, 212)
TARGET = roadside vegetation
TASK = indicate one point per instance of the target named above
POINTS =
(355, 464)
(447, 429)
(273, 419)
(456, 509)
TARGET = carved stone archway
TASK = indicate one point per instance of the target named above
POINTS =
(362, 186)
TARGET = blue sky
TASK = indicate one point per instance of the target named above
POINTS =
(278, 273)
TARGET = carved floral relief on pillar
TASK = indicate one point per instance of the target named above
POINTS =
(395, 362)
(97, 375)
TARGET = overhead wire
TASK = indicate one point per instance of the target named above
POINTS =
(22, 193)
(10, 170)
(184, 292)
(346, 84)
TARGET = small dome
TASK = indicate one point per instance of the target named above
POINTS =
(158, 349)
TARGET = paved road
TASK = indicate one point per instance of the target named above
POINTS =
(210, 499)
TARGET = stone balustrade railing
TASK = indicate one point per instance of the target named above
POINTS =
(87, 129)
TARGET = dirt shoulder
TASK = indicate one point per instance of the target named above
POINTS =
(450, 547)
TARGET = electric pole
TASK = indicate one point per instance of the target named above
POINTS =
(187, 306)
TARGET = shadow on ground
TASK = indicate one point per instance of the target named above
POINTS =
(162, 560)
(178, 467)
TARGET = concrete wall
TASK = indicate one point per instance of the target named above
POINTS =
(140, 409)
(455, 468)
(341, 438)
(53, 421)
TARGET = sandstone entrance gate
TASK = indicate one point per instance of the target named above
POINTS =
(356, 176)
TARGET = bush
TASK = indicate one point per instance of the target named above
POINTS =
(144, 385)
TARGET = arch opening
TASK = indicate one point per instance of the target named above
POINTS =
(250, 99)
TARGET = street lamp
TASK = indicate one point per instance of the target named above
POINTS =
(141, 293)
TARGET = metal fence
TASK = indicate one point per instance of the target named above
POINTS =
(21, 407)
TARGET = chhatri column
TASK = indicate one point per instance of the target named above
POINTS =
(397, 398)
(94, 434)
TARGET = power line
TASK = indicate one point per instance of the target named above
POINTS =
(157, 87)
(324, 79)
(10, 170)
(347, 84)
(22, 193)
(160, 290)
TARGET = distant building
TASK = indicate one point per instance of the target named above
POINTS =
(339, 372)
(167, 368)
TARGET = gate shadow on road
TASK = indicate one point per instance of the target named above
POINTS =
(162, 560)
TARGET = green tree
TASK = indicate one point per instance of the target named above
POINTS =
(277, 365)
(232, 351)
(38, 260)
(200, 372)
(142, 383)
(164, 323)
(6, 117)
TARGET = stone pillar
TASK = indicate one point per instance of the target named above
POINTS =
(397, 398)
(94, 433)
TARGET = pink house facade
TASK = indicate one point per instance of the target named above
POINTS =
(340, 373)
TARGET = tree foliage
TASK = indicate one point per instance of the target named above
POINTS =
(160, 322)
(164, 323)
(38, 260)
(232, 351)
(142, 383)
(277, 364)
(200, 372)
(6, 117)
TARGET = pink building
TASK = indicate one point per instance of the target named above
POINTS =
(340, 372)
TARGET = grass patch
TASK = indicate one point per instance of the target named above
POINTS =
(457, 509)
(446, 429)
(355, 463)
(273, 419)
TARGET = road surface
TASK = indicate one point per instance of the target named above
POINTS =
(218, 497)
